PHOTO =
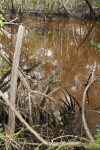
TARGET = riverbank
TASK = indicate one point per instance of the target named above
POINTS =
(82, 10)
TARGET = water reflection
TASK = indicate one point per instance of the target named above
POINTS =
(58, 44)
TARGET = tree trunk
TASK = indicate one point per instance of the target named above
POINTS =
(14, 76)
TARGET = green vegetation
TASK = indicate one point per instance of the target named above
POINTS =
(34, 2)
(94, 43)
(96, 144)
(11, 139)
(58, 117)
(1, 18)
(98, 3)
(38, 147)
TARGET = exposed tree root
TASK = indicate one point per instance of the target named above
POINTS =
(83, 109)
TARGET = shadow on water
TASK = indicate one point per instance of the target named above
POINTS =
(59, 44)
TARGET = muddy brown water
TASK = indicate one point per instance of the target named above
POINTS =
(60, 44)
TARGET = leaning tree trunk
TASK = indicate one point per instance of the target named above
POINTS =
(14, 76)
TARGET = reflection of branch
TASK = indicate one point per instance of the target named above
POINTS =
(22, 76)
(48, 85)
(78, 48)
(83, 111)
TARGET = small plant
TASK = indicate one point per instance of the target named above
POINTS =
(11, 139)
(38, 147)
(1, 135)
(34, 2)
(1, 129)
(94, 43)
(58, 117)
(96, 145)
